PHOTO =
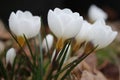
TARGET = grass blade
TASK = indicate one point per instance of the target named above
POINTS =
(26, 40)
(40, 59)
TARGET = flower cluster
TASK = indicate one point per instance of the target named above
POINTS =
(71, 32)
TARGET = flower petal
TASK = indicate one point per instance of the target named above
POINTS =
(73, 28)
(68, 11)
(10, 56)
(50, 39)
(84, 32)
(55, 24)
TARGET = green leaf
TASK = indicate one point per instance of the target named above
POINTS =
(26, 40)
(63, 53)
(40, 59)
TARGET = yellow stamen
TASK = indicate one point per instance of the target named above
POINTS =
(59, 44)
(89, 47)
(76, 47)
(21, 40)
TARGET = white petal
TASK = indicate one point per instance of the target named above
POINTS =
(10, 56)
(55, 24)
(19, 14)
(27, 14)
(36, 25)
(95, 13)
(72, 29)
(68, 11)
(65, 19)
(97, 36)
(100, 22)
(57, 10)
(77, 15)
(13, 23)
(50, 40)
(109, 40)
(84, 32)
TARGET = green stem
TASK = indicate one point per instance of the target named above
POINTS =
(41, 57)
(49, 56)
(29, 47)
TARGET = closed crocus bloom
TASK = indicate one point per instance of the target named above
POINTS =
(10, 56)
(24, 23)
(83, 34)
(49, 39)
(95, 13)
(64, 23)
(101, 34)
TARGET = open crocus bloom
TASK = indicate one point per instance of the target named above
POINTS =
(48, 42)
(24, 23)
(96, 13)
(10, 56)
(64, 23)
(101, 34)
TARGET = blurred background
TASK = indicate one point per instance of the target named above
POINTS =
(41, 7)
(108, 58)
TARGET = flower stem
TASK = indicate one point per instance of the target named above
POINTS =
(41, 57)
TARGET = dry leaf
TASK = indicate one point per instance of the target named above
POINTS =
(86, 75)
(99, 76)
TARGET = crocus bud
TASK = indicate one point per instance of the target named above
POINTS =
(95, 13)
(64, 23)
(10, 56)
(24, 23)
(48, 42)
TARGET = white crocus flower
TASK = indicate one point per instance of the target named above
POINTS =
(101, 34)
(50, 39)
(95, 13)
(24, 23)
(10, 56)
(64, 23)
(84, 31)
